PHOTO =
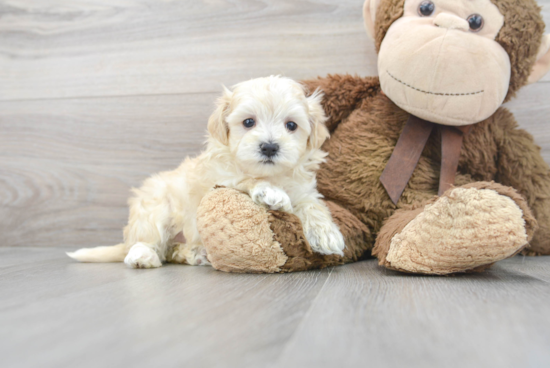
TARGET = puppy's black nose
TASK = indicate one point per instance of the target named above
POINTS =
(269, 149)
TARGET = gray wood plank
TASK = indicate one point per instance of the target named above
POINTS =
(365, 315)
(67, 164)
(12, 258)
(57, 48)
(66, 167)
(57, 313)
(538, 268)
(531, 108)
(69, 314)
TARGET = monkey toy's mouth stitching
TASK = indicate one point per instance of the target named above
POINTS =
(435, 93)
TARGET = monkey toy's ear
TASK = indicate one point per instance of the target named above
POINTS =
(369, 14)
(542, 65)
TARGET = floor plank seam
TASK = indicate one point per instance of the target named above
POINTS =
(526, 274)
(93, 97)
(108, 96)
(302, 322)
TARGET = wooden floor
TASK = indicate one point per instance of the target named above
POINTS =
(57, 313)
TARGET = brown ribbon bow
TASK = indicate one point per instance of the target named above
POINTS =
(409, 148)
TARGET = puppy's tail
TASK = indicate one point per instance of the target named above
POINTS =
(115, 253)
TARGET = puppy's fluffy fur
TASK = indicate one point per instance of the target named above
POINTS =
(167, 203)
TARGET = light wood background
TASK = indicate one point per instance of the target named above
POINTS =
(96, 95)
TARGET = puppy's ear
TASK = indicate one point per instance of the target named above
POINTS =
(317, 118)
(217, 126)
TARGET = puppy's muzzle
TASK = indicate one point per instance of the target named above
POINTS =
(269, 150)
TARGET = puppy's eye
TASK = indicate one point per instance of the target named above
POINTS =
(292, 126)
(249, 123)
(426, 8)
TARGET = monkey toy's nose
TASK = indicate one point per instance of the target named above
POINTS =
(449, 21)
(269, 149)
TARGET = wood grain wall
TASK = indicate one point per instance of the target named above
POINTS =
(97, 94)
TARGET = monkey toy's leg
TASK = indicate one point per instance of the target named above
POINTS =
(465, 230)
(241, 236)
(521, 166)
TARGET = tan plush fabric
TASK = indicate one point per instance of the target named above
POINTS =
(243, 237)
(365, 126)
(464, 229)
(288, 232)
(362, 143)
(237, 235)
(422, 68)
(394, 228)
(521, 35)
(423, 60)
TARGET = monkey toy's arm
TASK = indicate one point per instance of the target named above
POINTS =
(521, 166)
(342, 94)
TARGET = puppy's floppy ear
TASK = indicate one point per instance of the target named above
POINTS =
(317, 119)
(217, 126)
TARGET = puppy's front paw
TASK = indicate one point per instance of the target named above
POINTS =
(142, 256)
(274, 198)
(325, 237)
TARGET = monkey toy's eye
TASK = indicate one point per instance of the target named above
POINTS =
(476, 22)
(292, 126)
(426, 8)
(249, 123)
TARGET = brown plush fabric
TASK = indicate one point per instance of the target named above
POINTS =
(354, 231)
(242, 237)
(342, 92)
(359, 149)
(523, 168)
(365, 126)
(361, 144)
(520, 36)
(388, 12)
(392, 227)
(288, 232)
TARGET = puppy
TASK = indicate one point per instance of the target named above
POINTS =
(264, 139)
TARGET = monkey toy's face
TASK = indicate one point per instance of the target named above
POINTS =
(441, 63)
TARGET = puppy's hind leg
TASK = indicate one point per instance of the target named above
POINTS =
(191, 254)
(142, 255)
(148, 229)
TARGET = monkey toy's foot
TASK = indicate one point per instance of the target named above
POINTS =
(467, 229)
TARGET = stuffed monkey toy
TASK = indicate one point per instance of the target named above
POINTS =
(426, 171)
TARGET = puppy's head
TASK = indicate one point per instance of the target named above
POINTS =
(269, 124)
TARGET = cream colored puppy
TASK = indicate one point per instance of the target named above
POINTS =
(265, 139)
